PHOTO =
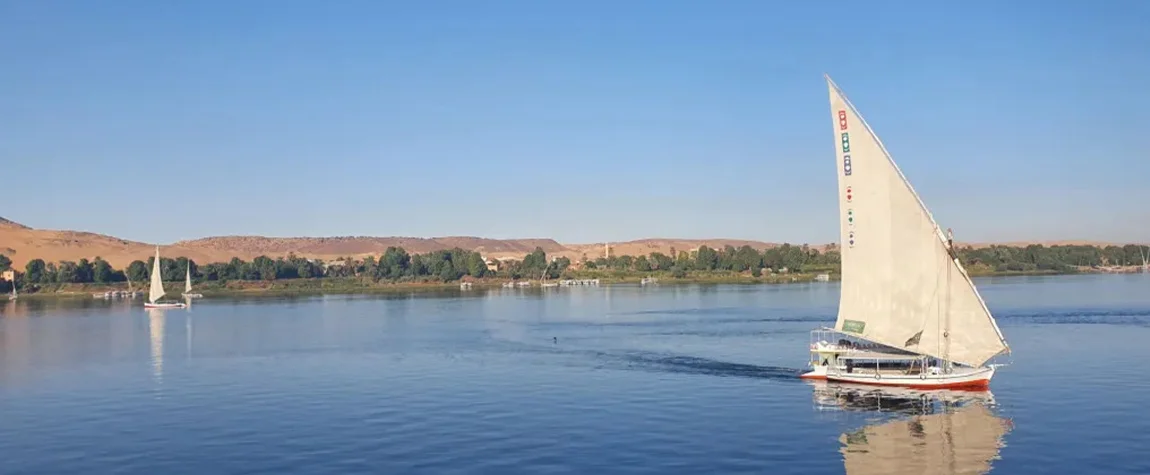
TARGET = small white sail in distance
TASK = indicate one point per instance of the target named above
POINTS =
(156, 292)
(188, 282)
(901, 286)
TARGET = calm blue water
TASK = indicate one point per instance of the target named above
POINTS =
(622, 379)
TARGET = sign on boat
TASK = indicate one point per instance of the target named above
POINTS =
(909, 314)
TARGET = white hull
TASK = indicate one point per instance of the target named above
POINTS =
(193, 296)
(961, 378)
(163, 305)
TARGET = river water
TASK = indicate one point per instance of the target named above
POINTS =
(614, 379)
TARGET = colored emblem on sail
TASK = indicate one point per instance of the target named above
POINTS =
(849, 194)
(846, 142)
(842, 120)
(850, 217)
(847, 165)
(851, 239)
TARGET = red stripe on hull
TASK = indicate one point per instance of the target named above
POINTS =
(815, 377)
(976, 384)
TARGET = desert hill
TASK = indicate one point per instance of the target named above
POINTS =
(22, 243)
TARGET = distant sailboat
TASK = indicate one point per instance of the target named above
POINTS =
(188, 284)
(543, 278)
(1145, 262)
(909, 315)
(156, 291)
(13, 295)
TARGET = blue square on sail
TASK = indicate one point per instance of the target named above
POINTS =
(847, 165)
(846, 142)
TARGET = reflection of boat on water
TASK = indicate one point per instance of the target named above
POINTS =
(947, 432)
(156, 338)
(858, 397)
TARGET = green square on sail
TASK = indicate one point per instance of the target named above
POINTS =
(853, 326)
(846, 143)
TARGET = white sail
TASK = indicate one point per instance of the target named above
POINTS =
(156, 292)
(901, 285)
(188, 282)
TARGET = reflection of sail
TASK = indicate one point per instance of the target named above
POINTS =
(948, 433)
(156, 334)
(16, 342)
(188, 332)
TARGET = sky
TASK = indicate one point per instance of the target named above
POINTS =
(581, 121)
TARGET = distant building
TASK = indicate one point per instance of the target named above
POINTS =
(492, 265)
(8, 275)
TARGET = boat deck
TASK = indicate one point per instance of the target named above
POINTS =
(877, 355)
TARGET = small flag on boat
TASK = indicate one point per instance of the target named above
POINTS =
(914, 339)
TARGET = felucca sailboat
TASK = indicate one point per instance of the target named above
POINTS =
(188, 284)
(156, 290)
(909, 315)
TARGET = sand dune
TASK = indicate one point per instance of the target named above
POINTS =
(22, 243)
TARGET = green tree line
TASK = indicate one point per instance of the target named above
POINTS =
(397, 265)
(730, 259)
(1054, 258)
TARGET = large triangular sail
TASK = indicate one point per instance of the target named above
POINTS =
(902, 286)
(156, 292)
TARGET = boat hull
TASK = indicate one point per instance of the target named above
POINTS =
(163, 305)
(978, 378)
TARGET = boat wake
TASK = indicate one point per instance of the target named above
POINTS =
(681, 364)
(634, 360)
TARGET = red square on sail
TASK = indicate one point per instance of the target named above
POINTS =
(842, 120)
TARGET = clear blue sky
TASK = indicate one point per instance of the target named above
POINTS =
(582, 121)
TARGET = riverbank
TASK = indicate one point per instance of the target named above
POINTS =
(356, 285)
